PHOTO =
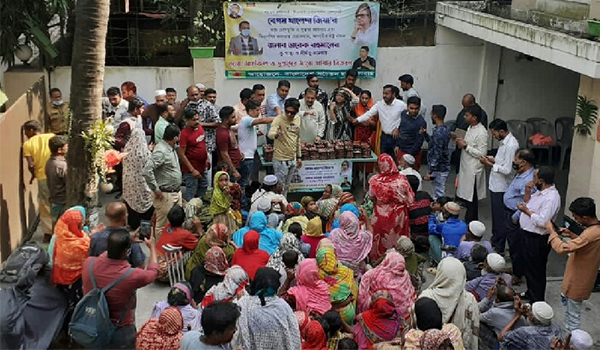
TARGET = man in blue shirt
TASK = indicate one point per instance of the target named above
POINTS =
(523, 164)
(438, 156)
(445, 234)
(275, 103)
(411, 138)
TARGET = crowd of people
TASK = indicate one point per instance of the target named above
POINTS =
(266, 272)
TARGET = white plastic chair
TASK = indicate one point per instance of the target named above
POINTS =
(176, 260)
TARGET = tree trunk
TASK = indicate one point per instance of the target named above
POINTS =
(87, 81)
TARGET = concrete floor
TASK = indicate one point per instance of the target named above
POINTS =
(147, 296)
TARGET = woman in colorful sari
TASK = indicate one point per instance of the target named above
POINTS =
(223, 201)
(217, 236)
(339, 123)
(352, 245)
(458, 306)
(294, 213)
(327, 204)
(181, 297)
(249, 257)
(269, 237)
(210, 273)
(71, 245)
(162, 333)
(379, 323)
(391, 194)
(266, 321)
(311, 294)
(391, 275)
(363, 133)
(351, 207)
(342, 288)
(233, 287)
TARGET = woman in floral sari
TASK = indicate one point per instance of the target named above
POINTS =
(339, 123)
(342, 288)
(327, 204)
(224, 206)
(391, 194)
(217, 236)
(378, 324)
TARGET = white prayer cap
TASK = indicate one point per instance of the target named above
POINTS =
(581, 340)
(542, 312)
(409, 159)
(264, 204)
(200, 86)
(477, 228)
(160, 93)
(496, 262)
(270, 180)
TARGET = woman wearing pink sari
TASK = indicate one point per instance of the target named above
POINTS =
(352, 245)
(391, 194)
(392, 276)
(311, 294)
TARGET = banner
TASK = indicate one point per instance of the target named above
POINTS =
(314, 175)
(291, 40)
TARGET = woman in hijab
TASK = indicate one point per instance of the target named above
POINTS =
(352, 245)
(434, 339)
(391, 194)
(269, 237)
(342, 288)
(70, 249)
(314, 337)
(223, 206)
(391, 275)
(343, 199)
(294, 213)
(425, 315)
(162, 333)
(458, 306)
(136, 193)
(266, 322)
(327, 204)
(181, 297)
(210, 273)
(310, 207)
(379, 323)
(311, 294)
(343, 208)
(217, 236)
(314, 234)
(249, 257)
(288, 242)
(339, 123)
(233, 286)
(414, 262)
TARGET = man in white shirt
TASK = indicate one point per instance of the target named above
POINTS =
(114, 106)
(389, 110)
(471, 182)
(312, 113)
(406, 168)
(248, 142)
(501, 176)
(406, 84)
(536, 210)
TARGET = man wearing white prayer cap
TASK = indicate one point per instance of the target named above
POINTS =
(406, 164)
(581, 340)
(201, 88)
(475, 232)
(537, 335)
(151, 113)
(268, 190)
(493, 268)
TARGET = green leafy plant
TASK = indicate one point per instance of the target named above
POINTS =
(98, 140)
(209, 26)
(588, 112)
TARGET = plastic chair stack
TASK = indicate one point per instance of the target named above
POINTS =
(564, 136)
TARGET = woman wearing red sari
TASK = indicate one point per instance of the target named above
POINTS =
(391, 194)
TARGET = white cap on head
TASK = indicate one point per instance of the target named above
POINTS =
(270, 180)
(200, 86)
(477, 228)
(496, 262)
(581, 340)
(542, 312)
(409, 159)
(264, 204)
(160, 93)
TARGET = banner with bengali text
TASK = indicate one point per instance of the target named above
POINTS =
(292, 40)
(314, 175)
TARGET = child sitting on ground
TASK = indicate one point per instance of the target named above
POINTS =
(438, 205)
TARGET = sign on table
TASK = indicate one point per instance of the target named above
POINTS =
(291, 40)
(314, 175)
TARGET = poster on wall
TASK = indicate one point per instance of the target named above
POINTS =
(317, 174)
(291, 40)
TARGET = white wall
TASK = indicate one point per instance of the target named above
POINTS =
(147, 79)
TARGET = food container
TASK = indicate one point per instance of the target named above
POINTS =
(350, 154)
(323, 154)
(357, 153)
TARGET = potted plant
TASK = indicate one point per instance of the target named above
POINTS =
(588, 112)
(594, 27)
(210, 30)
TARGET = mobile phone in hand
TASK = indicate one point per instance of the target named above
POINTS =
(145, 227)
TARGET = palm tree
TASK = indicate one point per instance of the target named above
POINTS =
(87, 80)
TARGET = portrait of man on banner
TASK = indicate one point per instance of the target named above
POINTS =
(244, 44)
(235, 11)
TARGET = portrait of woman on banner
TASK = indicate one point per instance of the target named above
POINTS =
(366, 21)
